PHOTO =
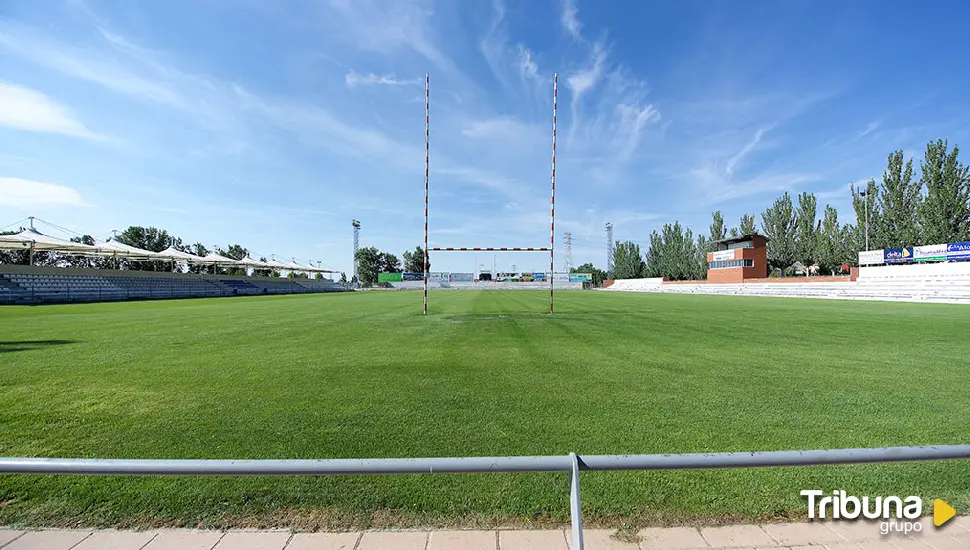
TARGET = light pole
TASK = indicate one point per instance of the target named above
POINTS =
(865, 196)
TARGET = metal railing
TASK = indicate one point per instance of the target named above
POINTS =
(571, 463)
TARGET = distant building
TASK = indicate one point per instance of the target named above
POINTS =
(737, 259)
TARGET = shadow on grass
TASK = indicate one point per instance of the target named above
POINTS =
(26, 345)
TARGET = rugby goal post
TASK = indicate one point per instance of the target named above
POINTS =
(552, 202)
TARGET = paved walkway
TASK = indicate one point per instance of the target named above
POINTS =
(847, 535)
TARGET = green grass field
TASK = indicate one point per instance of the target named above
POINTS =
(365, 375)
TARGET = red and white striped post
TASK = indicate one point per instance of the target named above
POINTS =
(427, 135)
(552, 207)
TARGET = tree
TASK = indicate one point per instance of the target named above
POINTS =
(389, 263)
(748, 225)
(899, 201)
(944, 216)
(805, 238)
(13, 256)
(674, 254)
(830, 253)
(718, 229)
(627, 262)
(236, 252)
(700, 258)
(148, 238)
(778, 224)
(343, 278)
(867, 219)
(414, 261)
(678, 252)
(199, 249)
(85, 262)
(368, 265)
(654, 256)
(263, 272)
(598, 274)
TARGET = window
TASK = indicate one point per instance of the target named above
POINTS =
(723, 264)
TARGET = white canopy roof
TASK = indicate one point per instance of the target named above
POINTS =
(175, 254)
(276, 265)
(122, 250)
(216, 259)
(250, 262)
(31, 238)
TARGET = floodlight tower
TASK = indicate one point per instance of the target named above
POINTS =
(356, 225)
(609, 249)
(568, 241)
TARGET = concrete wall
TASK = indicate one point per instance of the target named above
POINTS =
(943, 269)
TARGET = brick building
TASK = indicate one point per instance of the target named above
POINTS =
(737, 259)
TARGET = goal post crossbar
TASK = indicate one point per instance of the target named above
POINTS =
(490, 249)
(552, 203)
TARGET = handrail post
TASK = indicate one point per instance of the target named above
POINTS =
(575, 506)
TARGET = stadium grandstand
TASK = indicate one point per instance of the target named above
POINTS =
(171, 276)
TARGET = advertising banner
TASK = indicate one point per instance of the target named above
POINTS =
(898, 255)
(438, 276)
(958, 251)
(580, 278)
(872, 257)
(722, 255)
(412, 276)
(929, 253)
(389, 277)
(462, 277)
(560, 277)
(538, 276)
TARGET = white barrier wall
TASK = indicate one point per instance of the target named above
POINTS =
(946, 269)
(637, 285)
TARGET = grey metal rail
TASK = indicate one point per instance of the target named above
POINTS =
(571, 463)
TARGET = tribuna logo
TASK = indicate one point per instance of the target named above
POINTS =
(842, 506)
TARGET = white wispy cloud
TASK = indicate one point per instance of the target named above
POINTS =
(29, 44)
(527, 66)
(499, 128)
(386, 27)
(870, 128)
(734, 161)
(25, 193)
(569, 19)
(354, 79)
(632, 120)
(27, 109)
(586, 78)
(608, 109)
(227, 108)
(513, 64)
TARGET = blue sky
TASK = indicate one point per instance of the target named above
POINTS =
(275, 123)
